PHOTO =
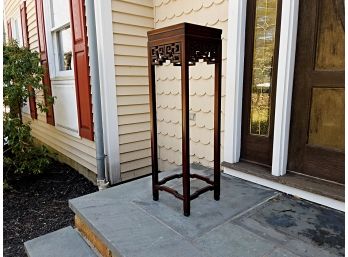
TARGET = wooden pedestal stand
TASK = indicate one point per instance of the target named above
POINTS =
(183, 45)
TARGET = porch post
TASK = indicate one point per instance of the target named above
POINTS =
(234, 79)
(286, 65)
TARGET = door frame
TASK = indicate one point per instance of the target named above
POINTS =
(234, 82)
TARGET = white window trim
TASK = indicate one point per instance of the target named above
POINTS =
(52, 49)
(107, 77)
(234, 82)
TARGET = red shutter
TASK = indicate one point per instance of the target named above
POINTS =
(81, 68)
(24, 23)
(9, 30)
(25, 35)
(43, 57)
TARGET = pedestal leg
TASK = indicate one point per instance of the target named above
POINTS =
(153, 119)
(217, 124)
(185, 130)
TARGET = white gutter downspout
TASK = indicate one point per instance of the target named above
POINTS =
(96, 97)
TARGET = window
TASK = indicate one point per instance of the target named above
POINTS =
(17, 29)
(59, 41)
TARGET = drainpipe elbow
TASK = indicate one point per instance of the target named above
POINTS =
(102, 184)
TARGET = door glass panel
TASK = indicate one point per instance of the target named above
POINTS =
(326, 126)
(264, 42)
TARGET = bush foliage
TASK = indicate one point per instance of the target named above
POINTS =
(21, 69)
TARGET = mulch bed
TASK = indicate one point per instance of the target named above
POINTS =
(37, 205)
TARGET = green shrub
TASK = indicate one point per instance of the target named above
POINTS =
(20, 154)
(21, 69)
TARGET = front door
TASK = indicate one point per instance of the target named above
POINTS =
(316, 144)
(260, 74)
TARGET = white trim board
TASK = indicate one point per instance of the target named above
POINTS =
(319, 199)
(286, 66)
(234, 80)
(103, 18)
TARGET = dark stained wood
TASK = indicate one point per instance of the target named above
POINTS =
(314, 159)
(217, 123)
(185, 126)
(330, 37)
(254, 148)
(153, 123)
(183, 45)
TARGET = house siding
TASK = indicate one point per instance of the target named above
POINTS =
(213, 13)
(11, 8)
(79, 150)
(131, 21)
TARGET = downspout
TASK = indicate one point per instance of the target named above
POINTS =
(96, 97)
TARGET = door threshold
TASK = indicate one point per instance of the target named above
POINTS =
(309, 188)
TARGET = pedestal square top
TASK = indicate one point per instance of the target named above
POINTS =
(184, 29)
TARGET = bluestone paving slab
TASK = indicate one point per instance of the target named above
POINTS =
(129, 231)
(230, 240)
(65, 242)
(306, 226)
(281, 252)
(236, 197)
(132, 224)
(249, 220)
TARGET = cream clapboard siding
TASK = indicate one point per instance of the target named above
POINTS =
(131, 21)
(77, 149)
(213, 13)
(11, 9)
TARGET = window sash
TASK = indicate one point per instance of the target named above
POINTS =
(52, 44)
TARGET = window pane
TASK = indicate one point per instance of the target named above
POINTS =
(64, 49)
(17, 32)
(264, 33)
(60, 12)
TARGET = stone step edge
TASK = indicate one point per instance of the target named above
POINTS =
(95, 240)
(95, 250)
(39, 246)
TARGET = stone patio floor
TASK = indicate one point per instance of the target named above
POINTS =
(249, 220)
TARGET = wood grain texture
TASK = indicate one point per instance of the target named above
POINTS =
(330, 42)
(311, 155)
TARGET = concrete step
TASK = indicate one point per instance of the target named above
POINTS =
(65, 242)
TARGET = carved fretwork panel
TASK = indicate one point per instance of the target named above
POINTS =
(198, 50)
(162, 53)
(202, 50)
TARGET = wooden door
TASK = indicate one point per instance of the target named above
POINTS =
(261, 55)
(316, 145)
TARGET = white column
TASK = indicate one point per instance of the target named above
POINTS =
(103, 17)
(286, 64)
(234, 79)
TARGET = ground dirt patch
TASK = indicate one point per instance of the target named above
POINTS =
(37, 205)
